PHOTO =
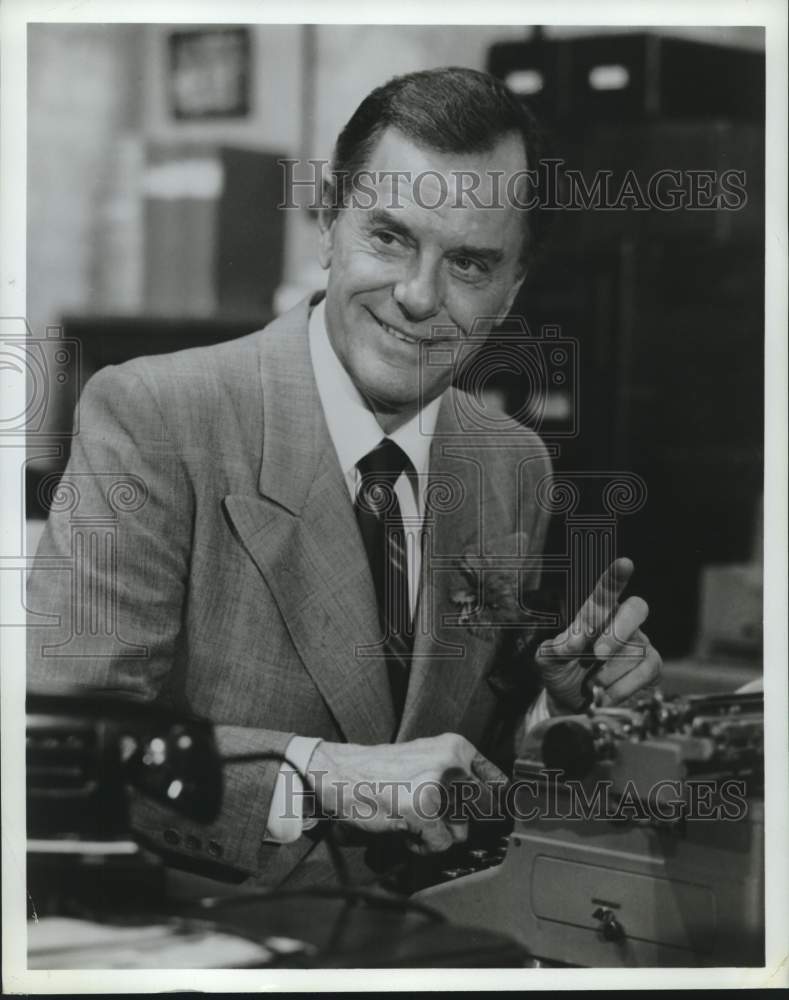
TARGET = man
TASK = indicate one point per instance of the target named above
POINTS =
(254, 580)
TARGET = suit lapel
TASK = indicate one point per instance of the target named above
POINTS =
(449, 659)
(302, 535)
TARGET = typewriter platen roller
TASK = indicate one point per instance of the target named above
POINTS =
(638, 840)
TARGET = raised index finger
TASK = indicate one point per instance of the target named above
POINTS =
(602, 602)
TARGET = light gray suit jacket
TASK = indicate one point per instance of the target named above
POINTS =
(237, 586)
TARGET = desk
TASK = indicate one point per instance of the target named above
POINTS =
(298, 932)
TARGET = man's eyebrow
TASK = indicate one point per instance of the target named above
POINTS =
(381, 217)
(490, 254)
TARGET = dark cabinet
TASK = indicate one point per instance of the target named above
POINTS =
(666, 306)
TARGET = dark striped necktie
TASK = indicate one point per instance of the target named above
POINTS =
(381, 523)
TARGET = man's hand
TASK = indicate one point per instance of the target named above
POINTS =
(604, 645)
(403, 787)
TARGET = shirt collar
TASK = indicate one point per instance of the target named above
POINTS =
(352, 425)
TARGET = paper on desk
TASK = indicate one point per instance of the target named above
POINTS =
(67, 943)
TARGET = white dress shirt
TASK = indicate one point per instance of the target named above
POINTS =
(354, 432)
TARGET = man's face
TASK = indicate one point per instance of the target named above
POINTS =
(402, 269)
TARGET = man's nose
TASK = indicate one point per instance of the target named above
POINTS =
(419, 293)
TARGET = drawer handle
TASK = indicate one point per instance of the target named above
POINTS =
(610, 927)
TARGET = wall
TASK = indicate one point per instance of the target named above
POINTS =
(83, 93)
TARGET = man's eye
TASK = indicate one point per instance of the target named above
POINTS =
(467, 266)
(384, 236)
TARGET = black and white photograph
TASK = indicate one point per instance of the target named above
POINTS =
(394, 512)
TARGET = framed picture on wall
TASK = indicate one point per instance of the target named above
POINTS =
(209, 73)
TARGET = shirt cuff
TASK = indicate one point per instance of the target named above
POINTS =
(285, 817)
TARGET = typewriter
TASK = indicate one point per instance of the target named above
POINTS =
(636, 839)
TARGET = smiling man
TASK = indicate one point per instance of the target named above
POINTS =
(310, 498)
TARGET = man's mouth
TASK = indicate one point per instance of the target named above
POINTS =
(407, 338)
(394, 332)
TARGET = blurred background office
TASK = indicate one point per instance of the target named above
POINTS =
(153, 187)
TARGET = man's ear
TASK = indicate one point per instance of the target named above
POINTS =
(326, 222)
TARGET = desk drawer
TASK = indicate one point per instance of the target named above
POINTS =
(678, 914)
